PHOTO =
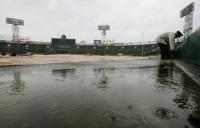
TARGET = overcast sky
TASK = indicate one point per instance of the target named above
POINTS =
(78, 19)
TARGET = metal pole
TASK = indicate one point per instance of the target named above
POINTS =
(142, 44)
(104, 36)
(15, 30)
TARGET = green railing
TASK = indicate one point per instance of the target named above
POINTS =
(134, 50)
(190, 49)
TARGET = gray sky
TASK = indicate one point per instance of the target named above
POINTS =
(79, 18)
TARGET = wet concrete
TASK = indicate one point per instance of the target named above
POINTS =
(120, 94)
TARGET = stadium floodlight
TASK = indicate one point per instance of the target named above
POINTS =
(187, 12)
(15, 27)
(103, 28)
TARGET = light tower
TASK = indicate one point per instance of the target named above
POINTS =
(187, 12)
(103, 28)
(15, 27)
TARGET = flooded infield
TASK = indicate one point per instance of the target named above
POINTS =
(120, 94)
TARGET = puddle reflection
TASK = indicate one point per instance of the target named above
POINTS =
(122, 95)
(103, 83)
(187, 92)
(17, 85)
(63, 73)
